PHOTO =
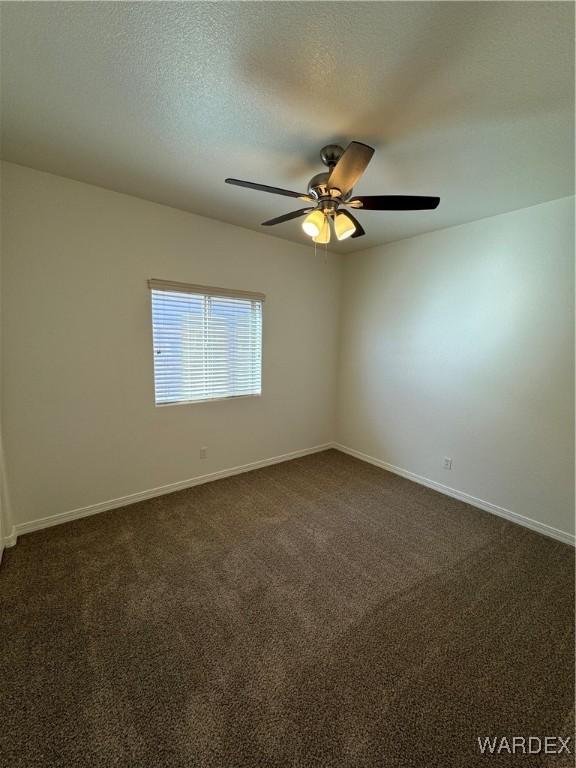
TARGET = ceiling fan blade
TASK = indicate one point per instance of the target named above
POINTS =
(394, 203)
(350, 167)
(266, 188)
(359, 229)
(286, 217)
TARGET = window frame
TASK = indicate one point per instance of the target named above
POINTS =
(206, 291)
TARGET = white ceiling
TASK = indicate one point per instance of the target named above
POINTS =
(472, 101)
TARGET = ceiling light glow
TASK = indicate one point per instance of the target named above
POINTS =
(313, 223)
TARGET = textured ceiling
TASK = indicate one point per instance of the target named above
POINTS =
(472, 101)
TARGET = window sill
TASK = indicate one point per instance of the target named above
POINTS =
(207, 400)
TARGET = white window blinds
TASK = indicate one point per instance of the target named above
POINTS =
(207, 342)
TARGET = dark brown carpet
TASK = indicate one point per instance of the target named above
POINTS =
(320, 612)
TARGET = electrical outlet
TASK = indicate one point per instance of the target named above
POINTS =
(447, 463)
(203, 452)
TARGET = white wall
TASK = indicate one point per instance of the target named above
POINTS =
(460, 343)
(7, 529)
(78, 398)
(456, 343)
(3, 524)
(7, 536)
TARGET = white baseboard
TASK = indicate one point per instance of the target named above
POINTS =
(7, 541)
(487, 506)
(133, 498)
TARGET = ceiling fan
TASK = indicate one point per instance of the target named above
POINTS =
(331, 191)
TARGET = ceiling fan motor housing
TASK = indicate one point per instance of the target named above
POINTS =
(318, 185)
(319, 189)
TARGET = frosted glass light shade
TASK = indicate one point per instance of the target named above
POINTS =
(313, 223)
(324, 236)
(344, 226)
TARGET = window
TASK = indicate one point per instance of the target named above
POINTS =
(207, 342)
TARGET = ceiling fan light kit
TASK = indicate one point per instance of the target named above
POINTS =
(324, 236)
(331, 190)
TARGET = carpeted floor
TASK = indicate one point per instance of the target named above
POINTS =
(320, 612)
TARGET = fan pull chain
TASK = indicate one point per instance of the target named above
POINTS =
(325, 251)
